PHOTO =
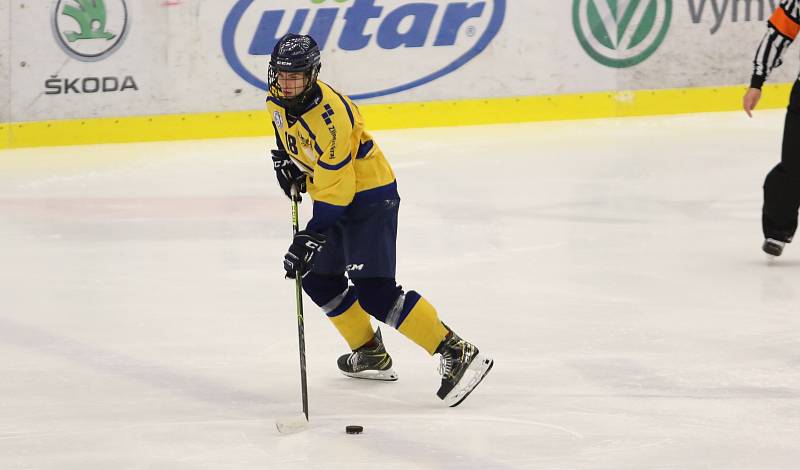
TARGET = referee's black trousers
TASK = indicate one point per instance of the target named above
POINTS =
(782, 186)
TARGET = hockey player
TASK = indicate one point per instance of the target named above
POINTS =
(324, 148)
(782, 185)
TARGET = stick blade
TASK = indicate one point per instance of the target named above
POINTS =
(291, 424)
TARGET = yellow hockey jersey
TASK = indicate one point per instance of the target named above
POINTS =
(328, 142)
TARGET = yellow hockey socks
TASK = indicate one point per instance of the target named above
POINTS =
(420, 323)
(352, 321)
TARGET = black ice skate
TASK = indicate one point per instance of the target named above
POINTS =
(368, 362)
(462, 368)
(773, 247)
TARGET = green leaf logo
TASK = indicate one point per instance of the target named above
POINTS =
(90, 30)
(621, 33)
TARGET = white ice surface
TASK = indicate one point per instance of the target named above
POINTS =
(611, 267)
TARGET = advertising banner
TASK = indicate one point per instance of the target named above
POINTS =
(5, 61)
(68, 59)
(80, 58)
(685, 43)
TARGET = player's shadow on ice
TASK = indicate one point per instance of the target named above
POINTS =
(774, 263)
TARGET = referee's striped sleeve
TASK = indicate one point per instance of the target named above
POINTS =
(782, 27)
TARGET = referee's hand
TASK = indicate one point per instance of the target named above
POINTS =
(750, 100)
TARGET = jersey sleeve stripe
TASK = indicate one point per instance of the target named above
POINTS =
(311, 134)
(347, 107)
(334, 167)
(784, 24)
(364, 148)
(278, 138)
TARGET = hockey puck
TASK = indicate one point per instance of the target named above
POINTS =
(354, 429)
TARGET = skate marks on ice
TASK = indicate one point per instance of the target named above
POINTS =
(626, 378)
(480, 257)
(450, 418)
(473, 440)
(110, 363)
(775, 288)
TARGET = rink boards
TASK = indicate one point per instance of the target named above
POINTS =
(186, 70)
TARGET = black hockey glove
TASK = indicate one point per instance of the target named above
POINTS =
(304, 247)
(287, 173)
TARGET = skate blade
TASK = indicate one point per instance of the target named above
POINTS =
(476, 371)
(291, 424)
(387, 375)
(772, 250)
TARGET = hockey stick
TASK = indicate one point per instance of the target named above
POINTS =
(298, 423)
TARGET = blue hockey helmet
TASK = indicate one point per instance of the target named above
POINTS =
(294, 53)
